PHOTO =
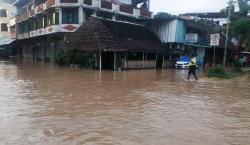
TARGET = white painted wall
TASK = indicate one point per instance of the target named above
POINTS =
(166, 31)
(11, 12)
(126, 1)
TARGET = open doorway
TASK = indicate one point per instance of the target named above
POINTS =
(108, 60)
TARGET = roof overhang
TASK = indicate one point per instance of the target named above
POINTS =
(5, 41)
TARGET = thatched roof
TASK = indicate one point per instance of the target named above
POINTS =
(109, 35)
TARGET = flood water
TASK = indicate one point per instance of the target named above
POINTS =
(46, 105)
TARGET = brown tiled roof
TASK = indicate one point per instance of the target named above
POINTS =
(115, 36)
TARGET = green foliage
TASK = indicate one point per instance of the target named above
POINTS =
(73, 56)
(237, 66)
(240, 29)
(244, 7)
(61, 58)
(240, 24)
(163, 15)
(120, 60)
(219, 72)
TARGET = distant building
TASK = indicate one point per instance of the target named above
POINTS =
(214, 17)
(182, 37)
(7, 12)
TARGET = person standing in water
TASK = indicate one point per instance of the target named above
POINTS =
(192, 68)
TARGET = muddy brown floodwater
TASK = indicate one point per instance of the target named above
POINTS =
(41, 104)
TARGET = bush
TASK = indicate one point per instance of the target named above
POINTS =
(61, 58)
(220, 72)
(73, 56)
(237, 66)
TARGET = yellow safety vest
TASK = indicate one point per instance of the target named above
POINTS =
(192, 62)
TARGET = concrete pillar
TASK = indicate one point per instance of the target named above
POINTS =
(52, 52)
(60, 16)
(113, 17)
(30, 52)
(42, 52)
(80, 10)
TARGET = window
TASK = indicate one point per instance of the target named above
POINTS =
(70, 16)
(52, 19)
(4, 27)
(3, 13)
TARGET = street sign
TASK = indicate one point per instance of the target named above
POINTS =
(214, 39)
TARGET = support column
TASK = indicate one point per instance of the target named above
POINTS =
(60, 16)
(113, 17)
(126, 58)
(52, 52)
(43, 52)
(114, 60)
(35, 53)
(143, 58)
(100, 60)
(163, 60)
(156, 58)
(80, 11)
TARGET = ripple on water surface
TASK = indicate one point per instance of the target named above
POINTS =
(44, 104)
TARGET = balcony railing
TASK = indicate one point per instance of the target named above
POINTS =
(50, 3)
(88, 2)
(69, 1)
(31, 12)
(145, 13)
(126, 8)
(39, 8)
(106, 5)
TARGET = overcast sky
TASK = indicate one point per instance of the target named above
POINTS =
(184, 6)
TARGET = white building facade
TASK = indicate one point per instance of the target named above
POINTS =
(7, 12)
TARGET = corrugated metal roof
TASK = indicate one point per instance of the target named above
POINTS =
(8, 1)
(6, 40)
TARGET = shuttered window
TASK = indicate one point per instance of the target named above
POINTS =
(3, 13)
(4, 27)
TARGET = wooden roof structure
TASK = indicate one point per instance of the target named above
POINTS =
(107, 35)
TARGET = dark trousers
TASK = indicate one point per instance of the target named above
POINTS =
(192, 70)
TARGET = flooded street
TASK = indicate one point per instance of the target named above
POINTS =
(46, 105)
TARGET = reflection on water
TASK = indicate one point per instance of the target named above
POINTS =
(46, 105)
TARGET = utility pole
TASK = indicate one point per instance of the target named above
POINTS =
(228, 25)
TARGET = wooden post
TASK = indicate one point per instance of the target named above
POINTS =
(143, 58)
(156, 57)
(114, 60)
(42, 47)
(126, 57)
(163, 60)
(100, 60)
(214, 58)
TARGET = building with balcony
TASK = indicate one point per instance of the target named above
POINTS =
(7, 12)
(215, 18)
(43, 24)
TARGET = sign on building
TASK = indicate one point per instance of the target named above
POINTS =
(191, 38)
(214, 39)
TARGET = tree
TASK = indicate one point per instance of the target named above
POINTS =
(244, 6)
(163, 15)
(240, 24)
(240, 29)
